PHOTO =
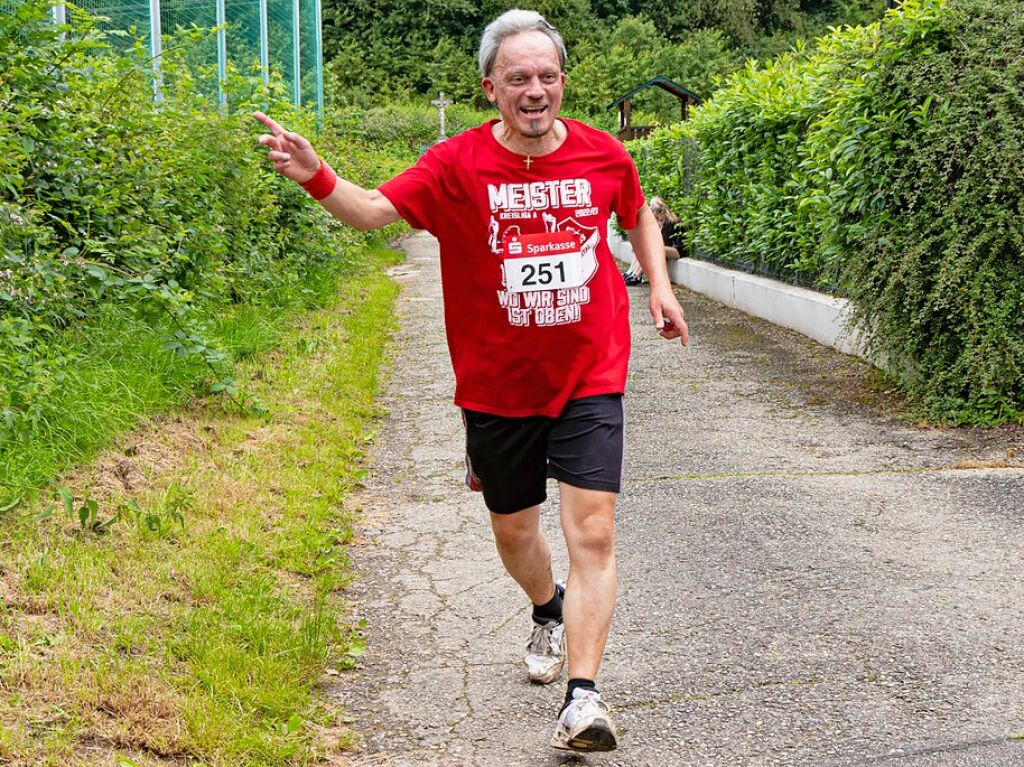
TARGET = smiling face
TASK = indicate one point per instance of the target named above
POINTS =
(526, 84)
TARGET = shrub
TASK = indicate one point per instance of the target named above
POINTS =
(864, 165)
(167, 212)
(934, 259)
(403, 129)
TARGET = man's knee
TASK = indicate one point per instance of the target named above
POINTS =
(515, 531)
(590, 525)
(595, 537)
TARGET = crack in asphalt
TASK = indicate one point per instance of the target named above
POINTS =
(757, 626)
(944, 748)
(915, 470)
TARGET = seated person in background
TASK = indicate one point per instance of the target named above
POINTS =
(667, 220)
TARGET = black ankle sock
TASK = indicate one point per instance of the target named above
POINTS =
(585, 684)
(550, 611)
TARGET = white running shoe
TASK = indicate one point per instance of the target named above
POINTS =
(585, 724)
(545, 652)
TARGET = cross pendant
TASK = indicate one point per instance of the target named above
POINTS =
(528, 161)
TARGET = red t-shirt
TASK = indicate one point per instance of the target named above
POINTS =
(519, 351)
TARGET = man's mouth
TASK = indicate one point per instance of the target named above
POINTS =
(533, 111)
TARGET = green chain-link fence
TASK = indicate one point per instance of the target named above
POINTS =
(283, 36)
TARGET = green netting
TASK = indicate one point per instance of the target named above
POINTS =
(243, 34)
(281, 24)
(310, 55)
(176, 16)
(123, 16)
(291, 49)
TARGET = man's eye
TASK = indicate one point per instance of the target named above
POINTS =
(518, 80)
(550, 77)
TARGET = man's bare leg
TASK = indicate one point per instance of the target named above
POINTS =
(588, 522)
(527, 557)
(525, 552)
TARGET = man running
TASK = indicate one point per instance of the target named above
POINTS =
(537, 320)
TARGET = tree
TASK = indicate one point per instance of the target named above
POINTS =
(397, 48)
(633, 52)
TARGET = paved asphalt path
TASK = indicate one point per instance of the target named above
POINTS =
(805, 578)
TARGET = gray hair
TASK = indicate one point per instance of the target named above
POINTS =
(511, 23)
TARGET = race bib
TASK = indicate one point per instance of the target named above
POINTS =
(549, 261)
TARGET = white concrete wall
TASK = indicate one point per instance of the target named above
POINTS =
(816, 315)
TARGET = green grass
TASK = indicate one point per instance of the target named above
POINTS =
(201, 623)
(118, 371)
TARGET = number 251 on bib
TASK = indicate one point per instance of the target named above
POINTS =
(549, 261)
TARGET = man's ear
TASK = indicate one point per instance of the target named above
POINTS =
(488, 85)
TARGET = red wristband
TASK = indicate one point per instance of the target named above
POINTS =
(322, 183)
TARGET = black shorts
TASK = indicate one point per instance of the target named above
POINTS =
(510, 459)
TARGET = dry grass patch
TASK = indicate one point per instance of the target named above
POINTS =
(198, 624)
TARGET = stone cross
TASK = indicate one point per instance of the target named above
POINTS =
(441, 103)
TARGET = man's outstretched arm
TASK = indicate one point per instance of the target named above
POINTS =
(294, 157)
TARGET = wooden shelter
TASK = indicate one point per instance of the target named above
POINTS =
(628, 131)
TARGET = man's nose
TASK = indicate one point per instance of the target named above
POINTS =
(534, 88)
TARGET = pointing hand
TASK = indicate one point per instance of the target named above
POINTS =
(292, 155)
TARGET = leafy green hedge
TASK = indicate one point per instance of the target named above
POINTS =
(122, 216)
(886, 162)
(403, 129)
